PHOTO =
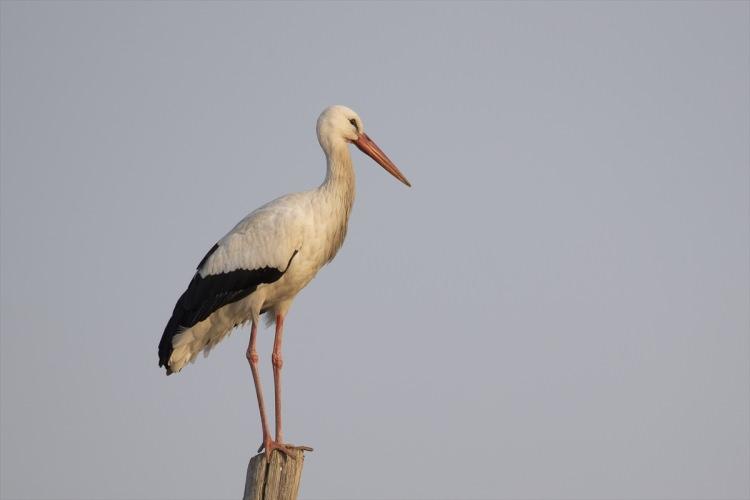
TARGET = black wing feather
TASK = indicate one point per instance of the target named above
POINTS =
(205, 295)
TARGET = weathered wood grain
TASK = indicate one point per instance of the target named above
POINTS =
(278, 480)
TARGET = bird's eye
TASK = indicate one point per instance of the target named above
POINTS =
(354, 123)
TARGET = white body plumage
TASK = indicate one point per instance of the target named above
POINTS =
(298, 233)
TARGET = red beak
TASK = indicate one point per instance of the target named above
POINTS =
(368, 147)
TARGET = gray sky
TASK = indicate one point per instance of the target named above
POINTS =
(559, 308)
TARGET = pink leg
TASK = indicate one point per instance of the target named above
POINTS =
(252, 358)
(278, 363)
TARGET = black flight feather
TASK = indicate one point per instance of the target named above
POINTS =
(205, 295)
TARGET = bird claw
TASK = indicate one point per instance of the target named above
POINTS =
(269, 445)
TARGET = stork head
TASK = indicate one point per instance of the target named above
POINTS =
(339, 125)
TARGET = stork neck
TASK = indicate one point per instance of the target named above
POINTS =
(340, 172)
(336, 195)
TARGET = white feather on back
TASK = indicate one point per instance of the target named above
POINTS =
(267, 237)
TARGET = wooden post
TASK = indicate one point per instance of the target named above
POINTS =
(278, 480)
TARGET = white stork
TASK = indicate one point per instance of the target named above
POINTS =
(260, 265)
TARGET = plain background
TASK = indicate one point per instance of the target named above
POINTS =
(559, 307)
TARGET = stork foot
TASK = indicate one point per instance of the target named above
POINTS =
(269, 445)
